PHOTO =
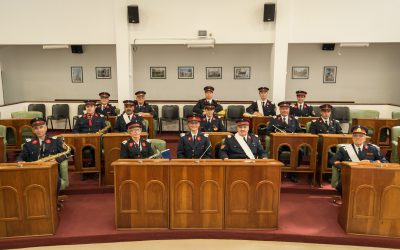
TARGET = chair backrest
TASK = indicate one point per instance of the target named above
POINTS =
(158, 144)
(60, 111)
(394, 157)
(342, 114)
(155, 107)
(235, 112)
(38, 107)
(395, 133)
(117, 111)
(170, 112)
(317, 111)
(308, 125)
(396, 114)
(187, 110)
(26, 114)
(3, 132)
(81, 108)
(363, 113)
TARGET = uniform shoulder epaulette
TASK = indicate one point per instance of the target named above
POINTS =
(80, 116)
(314, 120)
(229, 136)
(337, 121)
(296, 117)
(274, 116)
(256, 136)
(205, 135)
(28, 139)
(182, 134)
(148, 140)
(124, 142)
(373, 145)
(54, 137)
(101, 115)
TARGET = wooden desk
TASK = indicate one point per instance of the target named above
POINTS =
(252, 193)
(112, 120)
(295, 142)
(150, 119)
(215, 138)
(398, 147)
(2, 150)
(257, 121)
(28, 198)
(141, 193)
(112, 149)
(17, 125)
(371, 199)
(376, 125)
(78, 142)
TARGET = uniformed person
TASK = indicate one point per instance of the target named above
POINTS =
(359, 150)
(193, 144)
(262, 107)
(283, 122)
(142, 107)
(325, 124)
(209, 92)
(300, 108)
(242, 145)
(90, 122)
(104, 107)
(210, 122)
(127, 116)
(135, 147)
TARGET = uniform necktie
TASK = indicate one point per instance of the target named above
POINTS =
(208, 120)
(284, 120)
(359, 150)
(129, 117)
(326, 122)
(194, 137)
(301, 107)
(90, 120)
(263, 104)
(244, 138)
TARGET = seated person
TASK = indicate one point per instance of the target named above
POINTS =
(242, 145)
(210, 122)
(209, 92)
(325, 124)
(301, 108)
(358, 151)
(104, 107)
(135, 147)
(262, 107)
(127, 116)
(193, 144)
(283, 122)
(91, 122)
(142, 107)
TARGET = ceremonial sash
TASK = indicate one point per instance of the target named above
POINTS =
(351, 152)
(260, 108)
(244, 146)
(125, 116)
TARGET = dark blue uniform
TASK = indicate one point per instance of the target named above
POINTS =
(120, 124)
(200, 105)
(269, 108)
(194, 149)
(32, 151)
(307, 110)
(215, 124)
(292, 125)
(145, 108)
(131, 150)
(83, 124)
(231, 148)
(108, 110)
(320, 127)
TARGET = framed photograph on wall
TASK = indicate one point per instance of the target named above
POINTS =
(76, 74)
(300, 72)
(330, 74)
(213, 72)
(103, 72)
(241, 72)
(185, 72)
(158, 73)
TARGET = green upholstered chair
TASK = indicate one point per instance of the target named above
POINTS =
(117, 111)
(396, 114)
(3, 133)
(363, 113)
(395, 135)
(64, 175)
(26, 132)
(308, 125)
(158, 144)
(335, 173)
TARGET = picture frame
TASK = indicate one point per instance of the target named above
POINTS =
(329, 75)
(213, 72)
(185, 72)
(103, 72)
(300, 72)
(242, 72)
(76, 74)
(158, 72)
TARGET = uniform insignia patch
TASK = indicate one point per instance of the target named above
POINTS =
(229, 136)
(54, 137)
(124, 142)
(205, 135)
(131, 144)
(182, 134)
(48, 141)
(143, 144)
(28, 139)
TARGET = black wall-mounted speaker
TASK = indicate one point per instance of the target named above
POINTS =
(78, 49)
(269, 12)
(328, 46)
(133, 14)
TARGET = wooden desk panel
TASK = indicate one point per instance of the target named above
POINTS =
(112, 120)
(215, 138)
(256, 121)
(252, 193)
(376, 125)
(150, 119)
(17, 125)
(196, 193)
(141, 193)
(28, 198)
(2, 150)
(371, 199)
(112, 150)
(304, 119)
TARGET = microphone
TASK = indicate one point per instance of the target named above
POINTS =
(205, 151)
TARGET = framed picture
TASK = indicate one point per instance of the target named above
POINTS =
(241, 72)
(76, 74)
(300, 72)
(158, 72)
(213, 72)
(185, 72)
(103, 72)
(330, 74)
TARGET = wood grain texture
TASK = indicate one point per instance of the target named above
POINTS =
(17, 125)
(376, 125)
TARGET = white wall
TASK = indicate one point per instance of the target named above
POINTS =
(364, 75)
(31, 73)
(225, 56)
